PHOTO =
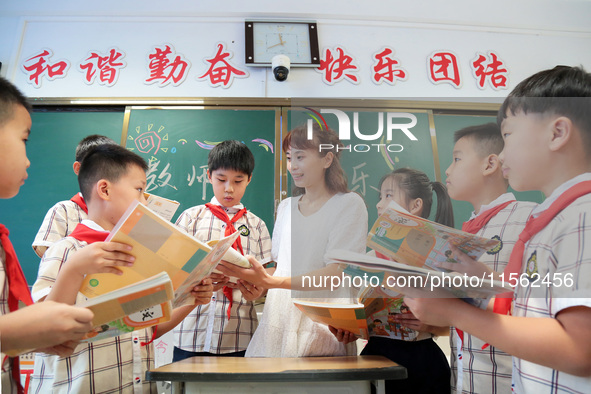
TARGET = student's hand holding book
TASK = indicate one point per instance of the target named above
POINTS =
(256, 275)
(101, 257)
(61, 324)
(203, 292)
(343, 336)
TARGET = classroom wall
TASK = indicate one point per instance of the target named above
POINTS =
(526, 35)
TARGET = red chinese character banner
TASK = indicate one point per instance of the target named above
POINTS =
(103, 68)
(39, 66)
(337, 65)
(387, 68)
(165, 66)
(220, 71)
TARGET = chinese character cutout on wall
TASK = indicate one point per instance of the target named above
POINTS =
(444, 68)
(489, 68)
(220, 71)
(386, 68)
(166, 66)
(38, 66)
(102, 68)
(337, 65)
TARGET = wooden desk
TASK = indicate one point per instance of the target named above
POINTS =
(288, 375)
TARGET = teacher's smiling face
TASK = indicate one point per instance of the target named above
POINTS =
(307, 167)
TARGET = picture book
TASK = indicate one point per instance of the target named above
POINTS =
(162, 206)
(414, 281)
(140, 305)
(232, 256)
(350, 317)
(419, 242)
(158, 246)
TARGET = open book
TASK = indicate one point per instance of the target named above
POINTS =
(162, 206)
(350, 317)
(140, 305)
(158, 246)
(232, 256)
(420, 242)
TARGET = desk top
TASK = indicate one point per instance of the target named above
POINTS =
(236, 369)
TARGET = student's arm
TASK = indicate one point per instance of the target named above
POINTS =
(202, 294)
(43, 325)
(99, 257)
(409, 320)
(563, 343)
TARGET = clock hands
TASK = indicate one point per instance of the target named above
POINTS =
(281, 42)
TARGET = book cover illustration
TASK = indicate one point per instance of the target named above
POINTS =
(420, 242)
(140, 305)
(158, 246)
(381, 307)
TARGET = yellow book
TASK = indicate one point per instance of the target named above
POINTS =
(140, 305)
(350, 317)
(419, 242)
(158, 246)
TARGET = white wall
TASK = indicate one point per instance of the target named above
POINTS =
(527, 35)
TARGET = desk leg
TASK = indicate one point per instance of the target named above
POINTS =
(178, 387)
(380, 386)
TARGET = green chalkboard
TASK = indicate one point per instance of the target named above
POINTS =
(51, 147)
(365, 163)
(445, 127)
(176, 143)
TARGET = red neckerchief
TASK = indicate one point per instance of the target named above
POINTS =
(473, 226)
(79, 200)
(221, 214)
(86, 234)
(533, 226)
(18, 290)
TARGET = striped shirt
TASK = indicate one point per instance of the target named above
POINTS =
(112, 365)
(477, 370)
(207, 328)
(561, 255)
(58, 223)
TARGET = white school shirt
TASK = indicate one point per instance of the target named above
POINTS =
(562, 249)
(207, 328)
(284, 331)
(473, 369)
(114, 365)
(59, 222)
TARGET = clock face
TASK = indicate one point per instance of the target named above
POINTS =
(296, 40)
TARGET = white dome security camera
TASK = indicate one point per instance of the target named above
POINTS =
(280, 66)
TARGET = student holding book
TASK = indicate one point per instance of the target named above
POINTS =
(110, 178)
(323, 216)
(476, 176)
(225, 326)
(64, 216)
(427, 366)
(546, 126)
(36, 326)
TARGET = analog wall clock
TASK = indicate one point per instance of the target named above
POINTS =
(297, 40)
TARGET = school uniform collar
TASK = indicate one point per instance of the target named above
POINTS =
(558, 191)
(92, 225)
(503, 198)
(230, 211)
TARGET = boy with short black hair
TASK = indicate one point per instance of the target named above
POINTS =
(36, 326)
(546, 126)
(63, 217)
(225, 326)
(475, 175)
(110, 179)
